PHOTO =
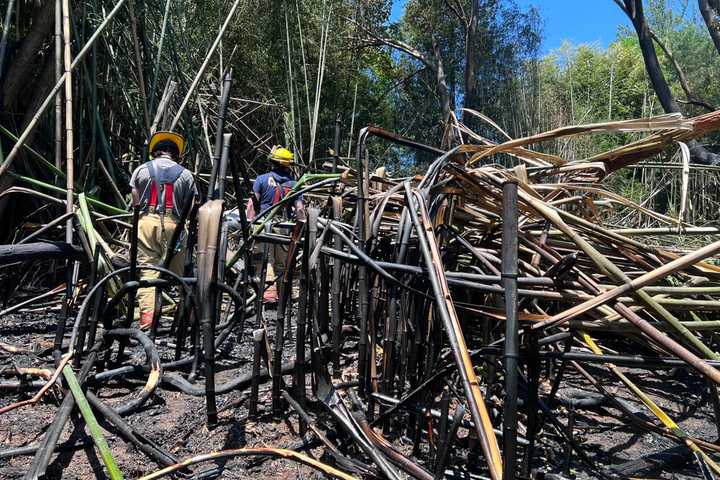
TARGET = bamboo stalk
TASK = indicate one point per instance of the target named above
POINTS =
(139, 65)
(652, 406)
(512, 350)
(51, 96)
(91, 422)
(261, 451)
(158, 56)
(203, 67)
(69, 144)
(451, 322)
(58, 74)
(5, 34)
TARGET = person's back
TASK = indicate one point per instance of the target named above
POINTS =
(162, 189)
(272, 186)
(162, 175)
(269, 189)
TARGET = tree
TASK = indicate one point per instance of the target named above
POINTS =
(634, 10)
(475, 54)
(710, 10)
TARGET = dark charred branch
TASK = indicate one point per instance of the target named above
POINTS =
(634, 10)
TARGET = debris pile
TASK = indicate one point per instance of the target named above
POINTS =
(426, 327)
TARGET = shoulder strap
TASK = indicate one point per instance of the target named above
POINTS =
(162, 186)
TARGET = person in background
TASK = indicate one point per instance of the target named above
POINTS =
(270, 188)
(161, 188)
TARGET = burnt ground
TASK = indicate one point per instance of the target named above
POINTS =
(176, 421)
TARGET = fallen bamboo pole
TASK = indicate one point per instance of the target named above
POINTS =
(635, 284)
(262, 451)
(91, 422)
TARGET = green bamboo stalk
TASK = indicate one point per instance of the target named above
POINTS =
(33, 153)
(156, 69)
(139, 64)
(91, 200)
(92, 423)
(612, 271)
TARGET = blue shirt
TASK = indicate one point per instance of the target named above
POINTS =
(267, 185)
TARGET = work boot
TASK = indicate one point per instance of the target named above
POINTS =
(146, 320)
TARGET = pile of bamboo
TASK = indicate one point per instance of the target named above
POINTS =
(405, 303)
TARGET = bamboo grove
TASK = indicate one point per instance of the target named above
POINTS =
(449, 324)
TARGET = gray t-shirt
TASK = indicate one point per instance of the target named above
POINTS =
(183, 188)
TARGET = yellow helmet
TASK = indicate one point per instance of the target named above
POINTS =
(282, 155)
(172, 137)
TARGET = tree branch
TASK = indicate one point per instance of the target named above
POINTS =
(711, 15)
(398, 45)
(401, 81)
(461, 16)
(692, 98)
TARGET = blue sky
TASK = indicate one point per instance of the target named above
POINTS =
(586, 21)
(583, 21)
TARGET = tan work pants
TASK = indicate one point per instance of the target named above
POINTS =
(277, 256)
(154, 234)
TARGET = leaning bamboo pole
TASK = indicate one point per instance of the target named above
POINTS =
(324, 31)
(51, 96)
(448, 315)
(139, 65)
(91, 422)
(204, 65)
(5, 34)
(156, 68)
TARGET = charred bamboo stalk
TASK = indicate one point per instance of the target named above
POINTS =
(446, 310)
(284, 287)
(209, 218)
(336, 143)
(336, 309)
(133, 263)
(511, 355)
(258, 345)
(219, 139)
(363, 282)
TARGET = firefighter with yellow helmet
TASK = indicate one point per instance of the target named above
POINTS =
(269, 189)
(161, 188)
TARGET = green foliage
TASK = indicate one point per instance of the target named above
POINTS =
(586, 83)
(273, 47)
